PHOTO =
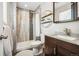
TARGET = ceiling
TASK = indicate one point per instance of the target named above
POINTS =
(34, 5)
(30, 5)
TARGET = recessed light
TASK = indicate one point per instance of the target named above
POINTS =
(25, 5)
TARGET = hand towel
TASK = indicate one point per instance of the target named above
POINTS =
(7, 43)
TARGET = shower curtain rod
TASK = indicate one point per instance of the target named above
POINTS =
(25, 9)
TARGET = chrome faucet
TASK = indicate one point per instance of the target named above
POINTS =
(67, 31)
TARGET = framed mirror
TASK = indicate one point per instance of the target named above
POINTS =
(64, 12)
(77, 10)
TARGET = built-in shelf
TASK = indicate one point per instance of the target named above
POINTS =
(45, 19)
(47, 15)
(46, 22)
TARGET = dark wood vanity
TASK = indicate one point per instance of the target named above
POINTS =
(56, 47)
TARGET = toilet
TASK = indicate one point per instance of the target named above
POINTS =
(23, 49)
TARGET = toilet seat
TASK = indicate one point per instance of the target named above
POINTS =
(25, 53)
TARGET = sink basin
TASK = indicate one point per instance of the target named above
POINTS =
(66, 37)
(36, 43)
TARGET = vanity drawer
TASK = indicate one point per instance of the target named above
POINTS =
(64, 52)
(69, 46)
(50, 42)
(50, 39)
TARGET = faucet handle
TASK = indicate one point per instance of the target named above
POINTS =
(67, 31)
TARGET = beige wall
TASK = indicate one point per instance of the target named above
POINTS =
(23, 24)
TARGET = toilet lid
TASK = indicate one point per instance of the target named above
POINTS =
(23, 46)
(25, 53)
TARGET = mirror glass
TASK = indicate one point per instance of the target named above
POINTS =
(78, 9)
(63, 11)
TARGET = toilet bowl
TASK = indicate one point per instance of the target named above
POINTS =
(25, 53)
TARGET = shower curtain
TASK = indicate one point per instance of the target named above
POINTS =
(22, 28)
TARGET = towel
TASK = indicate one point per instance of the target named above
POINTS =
(7, 43)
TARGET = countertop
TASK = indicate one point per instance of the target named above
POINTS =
(70, 41)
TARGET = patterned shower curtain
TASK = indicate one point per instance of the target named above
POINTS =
(22, 28)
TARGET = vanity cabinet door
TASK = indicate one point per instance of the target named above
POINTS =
(50, 51)
(68, 46)
(64, 52)
(50, 47)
